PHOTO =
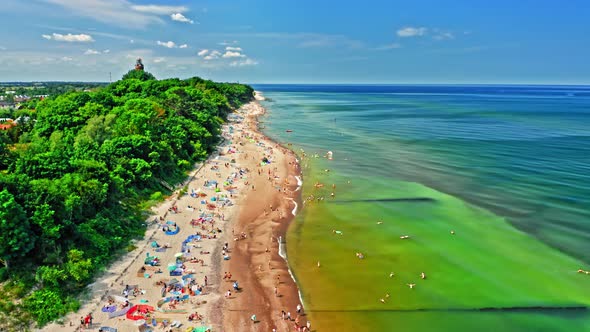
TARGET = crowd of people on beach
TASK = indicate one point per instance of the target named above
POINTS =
(207, 205)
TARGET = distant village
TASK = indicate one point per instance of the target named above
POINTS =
(19, 95)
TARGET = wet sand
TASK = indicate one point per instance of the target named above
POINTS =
(256, 263)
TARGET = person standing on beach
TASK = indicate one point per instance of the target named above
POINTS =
(299, 308)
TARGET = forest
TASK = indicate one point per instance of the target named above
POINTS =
(78, 173)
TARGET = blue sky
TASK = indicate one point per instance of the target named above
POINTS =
(419, 41)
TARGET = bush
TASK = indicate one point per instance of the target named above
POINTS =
(4, 274)
(157, 196)
(184, 164)
(46, 305)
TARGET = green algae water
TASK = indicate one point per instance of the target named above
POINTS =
(484, 189)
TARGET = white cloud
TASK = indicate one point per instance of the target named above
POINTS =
(213, 55)
(183, 46)
(158, 60)
(91, 52)
(66, 58)
(71, 38)
(203, 52)
(412, 32)
(232, 54)
(180, 18)
(159, 10)
(106, 51)
(168, 44)
(247, 62)
(229, 48)
(443, 35)
(116, 12)
(388, 47)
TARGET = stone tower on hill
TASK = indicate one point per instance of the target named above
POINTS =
(139, 65)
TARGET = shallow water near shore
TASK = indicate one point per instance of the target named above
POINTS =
(503, 168)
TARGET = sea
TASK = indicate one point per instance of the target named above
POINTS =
(442, 207)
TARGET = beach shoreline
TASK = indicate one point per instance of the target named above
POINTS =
(259, 262)
(240, 153)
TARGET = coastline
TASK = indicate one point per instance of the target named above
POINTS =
(259, 261)
(247, 210)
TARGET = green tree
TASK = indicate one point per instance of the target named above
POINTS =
(138, 74)
(16, 238)
(76, 174)
(5, 154)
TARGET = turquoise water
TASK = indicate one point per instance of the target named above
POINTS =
(504, 168)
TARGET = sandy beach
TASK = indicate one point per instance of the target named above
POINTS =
(235, 211)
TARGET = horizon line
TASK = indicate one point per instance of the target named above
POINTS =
(341, 84)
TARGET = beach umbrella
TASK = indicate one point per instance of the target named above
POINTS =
(178, 255)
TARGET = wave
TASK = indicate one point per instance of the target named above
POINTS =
(294, 211)
(299, 183)
(283, 254)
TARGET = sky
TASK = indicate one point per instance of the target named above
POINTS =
(303, 41)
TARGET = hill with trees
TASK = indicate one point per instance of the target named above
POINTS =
(77, 176)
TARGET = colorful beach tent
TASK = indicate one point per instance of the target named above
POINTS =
(110, 308)
(138, 312)
(198, 329)
(119, 313)
(151, 260)
(173, 231)
(107, 329)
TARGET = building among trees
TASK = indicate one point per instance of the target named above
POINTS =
(139, 64)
